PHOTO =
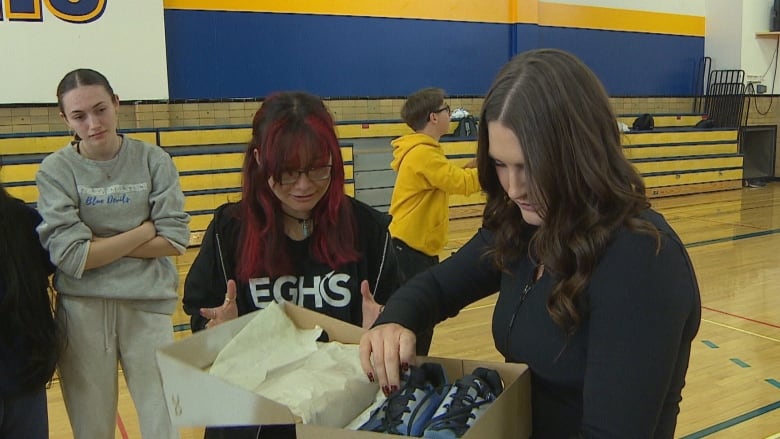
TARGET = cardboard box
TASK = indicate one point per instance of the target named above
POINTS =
(196, 398)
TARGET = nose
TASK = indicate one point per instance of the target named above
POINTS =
(303, 180)
(516, 187)
(93, 122)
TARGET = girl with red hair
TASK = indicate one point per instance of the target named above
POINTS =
(295, 235)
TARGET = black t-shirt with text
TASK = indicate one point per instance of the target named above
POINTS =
(312, 285)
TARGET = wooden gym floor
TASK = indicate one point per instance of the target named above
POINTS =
(733, 383)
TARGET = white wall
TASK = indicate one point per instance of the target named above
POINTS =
(758, 53)
(126, 44)
(724, 33)
(732, 43)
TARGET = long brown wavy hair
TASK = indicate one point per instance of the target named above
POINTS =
(578, 176)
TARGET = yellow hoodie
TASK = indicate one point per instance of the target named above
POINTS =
(420, 202)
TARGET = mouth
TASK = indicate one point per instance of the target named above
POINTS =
(302, 197)
(526, 206)
(97, 135)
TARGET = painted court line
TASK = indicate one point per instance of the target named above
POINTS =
(733, 421)
(733, 238)
(741, 330)
(773, 382)
(747, 416)
(760, 322)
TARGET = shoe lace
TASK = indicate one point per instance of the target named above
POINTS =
(397, 405)
(459, 411)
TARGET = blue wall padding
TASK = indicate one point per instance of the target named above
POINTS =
(232, 54)
(630, 63)
(214, 55)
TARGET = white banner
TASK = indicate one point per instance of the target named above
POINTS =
(41, 40)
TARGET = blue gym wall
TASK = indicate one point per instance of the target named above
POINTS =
(216, 54)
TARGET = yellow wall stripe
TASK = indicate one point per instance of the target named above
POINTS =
(484, 11)
(591, 17)
(525, 11)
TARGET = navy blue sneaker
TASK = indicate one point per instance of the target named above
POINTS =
(464, 403)
(407, 411)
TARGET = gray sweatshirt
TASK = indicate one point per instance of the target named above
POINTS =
(79, 197)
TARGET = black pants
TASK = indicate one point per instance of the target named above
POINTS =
(410, 263)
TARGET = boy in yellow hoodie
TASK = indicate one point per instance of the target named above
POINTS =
(420, 202)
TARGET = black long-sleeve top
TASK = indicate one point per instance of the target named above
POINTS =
(621, 374)
(311, 284)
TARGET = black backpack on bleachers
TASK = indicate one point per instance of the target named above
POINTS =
(644, 122)
(467, 127)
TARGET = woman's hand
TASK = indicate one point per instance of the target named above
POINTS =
(371, 309)
(227, 311)
(392, 349)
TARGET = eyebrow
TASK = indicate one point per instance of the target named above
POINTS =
(93, 107)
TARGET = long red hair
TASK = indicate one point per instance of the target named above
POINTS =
(292, 131)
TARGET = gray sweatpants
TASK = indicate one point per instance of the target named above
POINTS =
(100, 333)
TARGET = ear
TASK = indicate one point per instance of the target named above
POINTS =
(256, 154)
(116, 101)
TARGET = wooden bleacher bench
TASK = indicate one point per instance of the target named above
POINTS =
(678, 161)
(361, 129)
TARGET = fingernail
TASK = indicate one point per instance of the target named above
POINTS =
(371, 377)
(386, 390)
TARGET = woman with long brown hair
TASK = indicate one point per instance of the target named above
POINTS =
(29, 338)
(596, 291)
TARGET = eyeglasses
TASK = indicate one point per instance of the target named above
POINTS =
(320, 173)
(444, 108)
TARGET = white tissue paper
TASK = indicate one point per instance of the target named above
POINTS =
(321, 383)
